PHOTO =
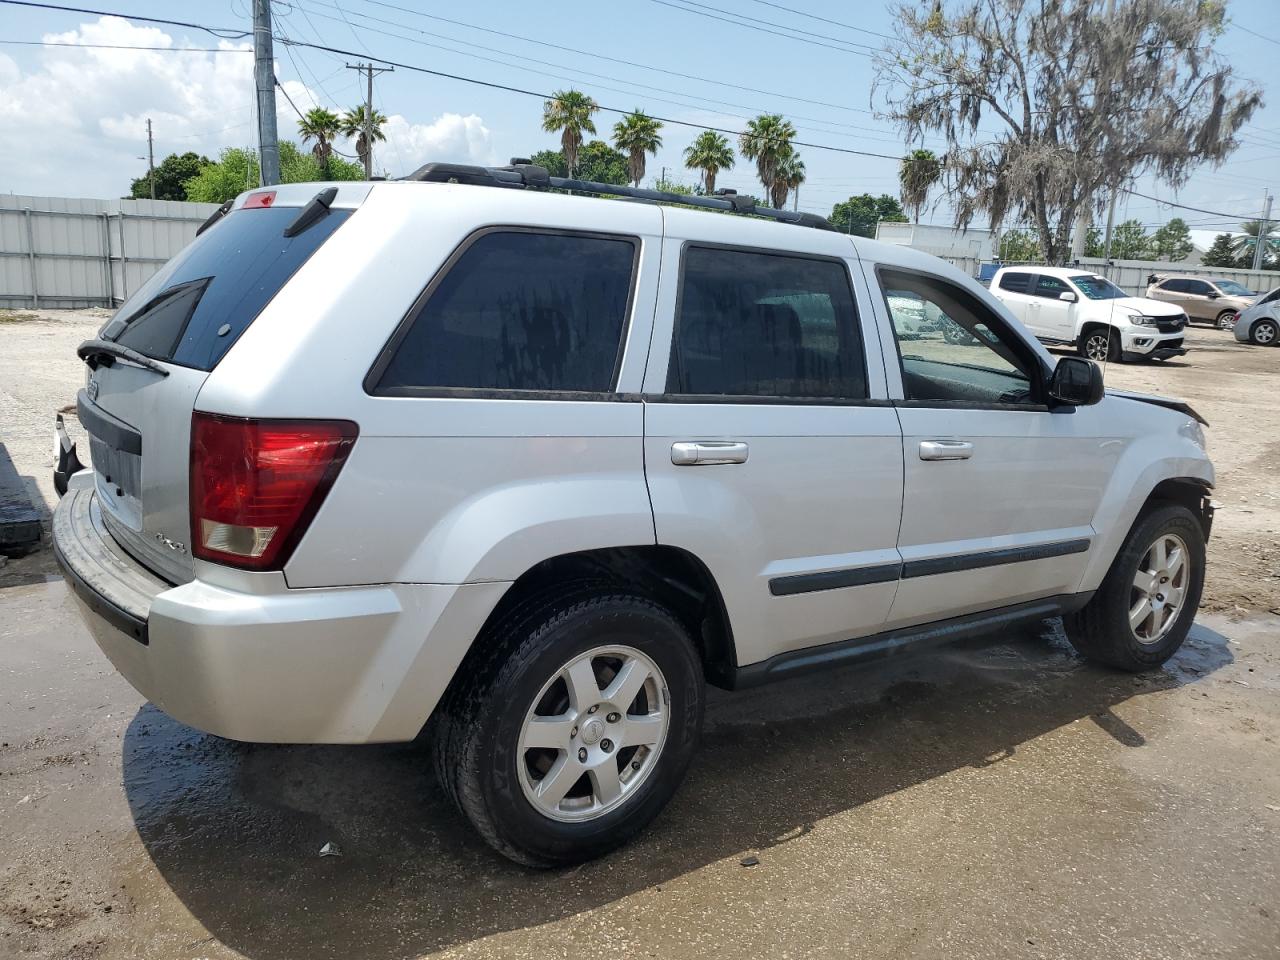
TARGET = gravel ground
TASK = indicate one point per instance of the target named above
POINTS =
(996, 799)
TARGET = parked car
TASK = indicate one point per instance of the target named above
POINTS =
(527, 470)
(1260, 323)
(1214, 300)
(1064, 305)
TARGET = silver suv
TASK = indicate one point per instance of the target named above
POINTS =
(528, 470)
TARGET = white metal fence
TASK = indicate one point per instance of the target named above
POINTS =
(71, 252)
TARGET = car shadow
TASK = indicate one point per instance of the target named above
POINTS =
(236, 830)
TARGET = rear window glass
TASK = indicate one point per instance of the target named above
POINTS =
(520, 310)
(1017, 282)
(198, 304)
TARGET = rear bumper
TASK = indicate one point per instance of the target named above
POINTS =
(334, 665)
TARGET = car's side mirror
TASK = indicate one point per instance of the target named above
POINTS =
(1213, 294)
(1068, 296)
(1076, 382)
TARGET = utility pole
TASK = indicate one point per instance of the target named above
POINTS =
(264, 80)
(1111, 219)
(1260, 246)
(368, 69)
(151, 160)
(1081, 232)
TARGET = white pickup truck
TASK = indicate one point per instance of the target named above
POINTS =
(1067, 305)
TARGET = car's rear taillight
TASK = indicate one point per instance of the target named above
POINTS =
(256, 484)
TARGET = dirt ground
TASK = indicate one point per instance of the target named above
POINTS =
(997, 799)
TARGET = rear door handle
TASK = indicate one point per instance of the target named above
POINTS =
(945, 450)
(701, 453)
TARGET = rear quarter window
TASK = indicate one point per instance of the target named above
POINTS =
(199, 303)
(517, 310)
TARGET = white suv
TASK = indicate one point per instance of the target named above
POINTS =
(1062, 305)
(527, 470)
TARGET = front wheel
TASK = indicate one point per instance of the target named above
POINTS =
(1143, 611)
(1264, 333)
(1227, 319)
(579, 732)
(1100, 345)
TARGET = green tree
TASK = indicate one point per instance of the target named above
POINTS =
(1220, 253)
(353, 126)
(236, 171)
(171, 177)
(917, 173)
(1044, 107)
(1094, 243)
(1243, 246)
(636, 134)
(709, 153)
(1172, 241)
(860, 214)
(323, 126)
(568, 113)
(1130, 241)
(1019, 246)
(597, 162)
(767, 141)
(790, 174)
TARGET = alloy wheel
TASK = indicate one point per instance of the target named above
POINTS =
(1159, 588)
(1264, 333)
(1096, 346)
(594, 734)
(1228, 320)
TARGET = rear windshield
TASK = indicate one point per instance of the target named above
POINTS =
(198, 304)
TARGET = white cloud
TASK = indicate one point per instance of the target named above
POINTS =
(74, 124)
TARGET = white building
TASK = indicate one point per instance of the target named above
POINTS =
(939, 241)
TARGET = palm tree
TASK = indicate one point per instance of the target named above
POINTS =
(1243, 247)
(788, 178)
(767, 141)
(916, 175)
(709, 153)
(353, 126)
(322, 126)
(637, 134)
(568, 113)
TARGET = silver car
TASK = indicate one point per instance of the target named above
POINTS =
(527, 471)
(1260, 323)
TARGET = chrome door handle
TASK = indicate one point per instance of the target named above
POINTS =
(688, 453)
(945, 450)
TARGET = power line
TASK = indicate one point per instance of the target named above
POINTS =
(814, 16)
(229, 33)
(777, 33)
(608, 59)
(121, 46)
(1255, 33)
(1183, 206)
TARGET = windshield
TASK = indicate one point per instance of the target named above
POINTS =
(1232, 289)
(1097, 288)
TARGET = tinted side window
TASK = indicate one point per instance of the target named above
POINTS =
(1050, 287)
(1174, 286)
(1017, 282)
(765, 325)
(520, 310)
(1197, 287)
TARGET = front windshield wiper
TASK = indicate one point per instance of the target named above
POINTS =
(97, 353)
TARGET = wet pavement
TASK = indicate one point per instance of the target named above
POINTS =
(997, 799)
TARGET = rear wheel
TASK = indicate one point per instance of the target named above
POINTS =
(579, 731)
(1264, 333)
(1100, 345)
(1227, 319)
(1142, 612)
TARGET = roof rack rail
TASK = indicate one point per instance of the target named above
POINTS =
(521, 174)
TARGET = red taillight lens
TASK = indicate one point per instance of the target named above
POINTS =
(259, 200)
(256, 484)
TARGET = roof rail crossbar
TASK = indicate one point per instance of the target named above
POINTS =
(522, 174)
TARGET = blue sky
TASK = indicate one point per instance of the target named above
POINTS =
(89, 107)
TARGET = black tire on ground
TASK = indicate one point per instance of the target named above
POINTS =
(1226, 319)
(1099, 344)
(476, 733)
(1101, 631)
(1264, 333)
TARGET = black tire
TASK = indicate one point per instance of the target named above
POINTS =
(1226, 319)
(1101, 630)
(1099, 344)
(1268, 336)
(477, 731)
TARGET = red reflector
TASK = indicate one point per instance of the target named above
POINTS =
(256, 484)
(259, 200)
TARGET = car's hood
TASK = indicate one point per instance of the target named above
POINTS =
(1168, 402)
(1146, 306)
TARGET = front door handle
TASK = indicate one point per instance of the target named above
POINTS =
(945, 450)
(701, 453)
